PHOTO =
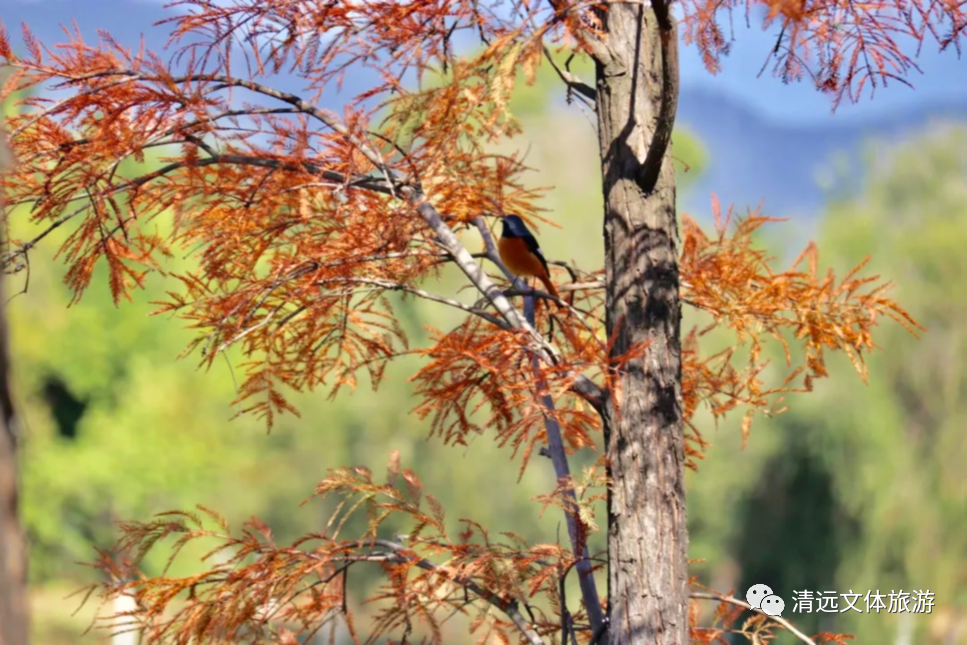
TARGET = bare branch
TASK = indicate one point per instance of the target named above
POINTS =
(572, 81)
(509, 608)
(562, 471)
(367, 182)
(389, 285)
(700, 595)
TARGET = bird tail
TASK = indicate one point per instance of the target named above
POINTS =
(551, 289)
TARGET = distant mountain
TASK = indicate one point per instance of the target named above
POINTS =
(754, 159)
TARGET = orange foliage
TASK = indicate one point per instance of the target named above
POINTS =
(843, 47)
(734, 282)
(303, 222)
(261, 590)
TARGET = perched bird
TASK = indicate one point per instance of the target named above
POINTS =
(519, 250)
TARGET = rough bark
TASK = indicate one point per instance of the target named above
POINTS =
(637, 88)
(13, 587)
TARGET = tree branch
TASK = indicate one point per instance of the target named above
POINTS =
(699, 595)
(668, 42)
(508, 607)
(591, 392)
(562, 470)
(390, 285)
(366, 182)
(598, 49)
(572, 81)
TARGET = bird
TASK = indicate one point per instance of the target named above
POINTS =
(521, 253)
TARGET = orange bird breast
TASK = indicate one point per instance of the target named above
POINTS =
(523, 262)
(519, 258)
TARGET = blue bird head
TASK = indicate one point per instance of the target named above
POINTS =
(514, 227)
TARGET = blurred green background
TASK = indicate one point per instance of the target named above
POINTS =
(855, 488)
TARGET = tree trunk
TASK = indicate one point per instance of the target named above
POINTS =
(637, 88)
(13, 570)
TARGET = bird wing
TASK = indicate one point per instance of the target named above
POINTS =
(535, 248)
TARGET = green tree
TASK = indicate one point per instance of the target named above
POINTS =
(898, 447)
(861, 486)
(13, 551)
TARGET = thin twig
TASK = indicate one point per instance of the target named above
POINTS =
(390, 285)
(701, 595)
(572, 81)
(508, 608)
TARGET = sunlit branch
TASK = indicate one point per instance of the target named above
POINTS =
(597, 285)
(130, 77)
(509, 608)
(222, 82)
(699, 595)
(389, 285)
(381, 256)
(472, 269)
(572, 81)
(528, 291)
(183, 129)
(492, 255)
(347, 554)
(9, 257)
(539, 293)
(371, 153)
(366, 182)
(562, 472)
(267, 319)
